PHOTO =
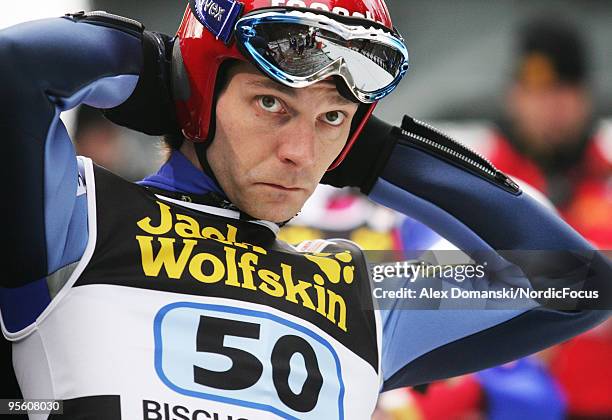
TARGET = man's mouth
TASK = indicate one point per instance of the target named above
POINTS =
(280, 187)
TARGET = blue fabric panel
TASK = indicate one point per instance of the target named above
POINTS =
(427, 213)
(409, 334)
(60, 182)
(524, 334)
(437, 219)
(107, 92)
(416, 236)
(179, 175)
(76, 239)
(500, 219)
(21, 306)
(61, 167)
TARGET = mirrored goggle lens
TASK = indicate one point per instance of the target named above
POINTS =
(304, 50)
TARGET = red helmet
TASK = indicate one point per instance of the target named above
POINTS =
(203, 53)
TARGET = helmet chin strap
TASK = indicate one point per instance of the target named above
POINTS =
(181, 91)
(200, 149)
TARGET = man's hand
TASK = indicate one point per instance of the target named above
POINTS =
(150, 109)
(367, 158)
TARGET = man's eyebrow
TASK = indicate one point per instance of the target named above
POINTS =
(292, 92)
(270, 84)
(341, 100)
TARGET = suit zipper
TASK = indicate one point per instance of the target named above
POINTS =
(463, 157)
(107, 18)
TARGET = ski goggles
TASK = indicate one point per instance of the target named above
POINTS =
(299, 48)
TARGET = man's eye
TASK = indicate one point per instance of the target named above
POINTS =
(270, 103)
(334, 118)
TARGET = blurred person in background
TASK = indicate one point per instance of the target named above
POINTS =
(582, 368)
(548, 138)
(98, 138)
(112, 146)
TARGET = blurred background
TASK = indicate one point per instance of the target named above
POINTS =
(528, 85)
(462, 52)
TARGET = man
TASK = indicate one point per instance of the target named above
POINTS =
(549, 138)
(173, 298)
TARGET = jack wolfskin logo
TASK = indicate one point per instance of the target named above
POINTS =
(335, 267)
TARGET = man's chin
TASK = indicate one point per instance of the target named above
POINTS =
(275, 211)
(272, 213)
(265, 203)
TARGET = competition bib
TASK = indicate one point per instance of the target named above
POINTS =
(186, 312)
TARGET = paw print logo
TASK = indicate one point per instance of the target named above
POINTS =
(336, 267)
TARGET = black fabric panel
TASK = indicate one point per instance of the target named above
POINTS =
(22, 209)
(366, 160)
(10, 387)
(150, 109)
(100, 407)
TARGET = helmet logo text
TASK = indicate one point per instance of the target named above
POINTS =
(218, 16)
(321, 6)
(213, 9)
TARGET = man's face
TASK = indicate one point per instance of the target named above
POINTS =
(551, 116)
(273, 144)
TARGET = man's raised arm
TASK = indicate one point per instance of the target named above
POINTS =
(49, 66)
(424, 174)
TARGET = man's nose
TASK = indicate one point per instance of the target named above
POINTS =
(297, 143)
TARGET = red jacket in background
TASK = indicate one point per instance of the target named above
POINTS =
(589, 207)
